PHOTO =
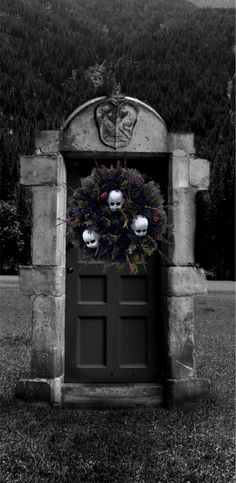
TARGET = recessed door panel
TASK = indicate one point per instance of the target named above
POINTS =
(92, 288)
(133, 341)
(91, 342)
(134, 289)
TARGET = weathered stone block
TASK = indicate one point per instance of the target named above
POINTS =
(180, 281)
(186, 390)
(41, 170)
(200, 173)
(179, 170)
(47, 353)
(33, 390)
(46, 364)
(48, 233)
(183, 141)
(39, 389)
(112, 395)
(56, 394)
(47, 142)
(181, 216)
(39, 280)
(178, 313)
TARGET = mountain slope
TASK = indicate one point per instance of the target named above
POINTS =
(56, 54)
(214, 3)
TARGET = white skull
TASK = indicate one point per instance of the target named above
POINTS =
(115, 200)
(91, 238)
(140, 225)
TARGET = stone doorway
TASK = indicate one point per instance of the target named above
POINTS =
(84, 136)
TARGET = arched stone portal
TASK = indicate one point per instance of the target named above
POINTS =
(110, 129)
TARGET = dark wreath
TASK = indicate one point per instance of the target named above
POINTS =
(116, 215)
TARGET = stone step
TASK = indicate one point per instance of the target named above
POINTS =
(112, 395)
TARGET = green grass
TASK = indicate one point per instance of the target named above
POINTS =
(191, 443)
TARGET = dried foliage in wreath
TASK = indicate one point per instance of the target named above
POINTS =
(116, 215)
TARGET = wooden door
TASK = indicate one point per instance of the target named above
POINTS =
(113, 322)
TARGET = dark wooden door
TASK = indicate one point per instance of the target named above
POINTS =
(113, 322)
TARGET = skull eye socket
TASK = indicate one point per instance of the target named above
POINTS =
(112, 204)
(92, 241)
(117, 204)
(139, 231)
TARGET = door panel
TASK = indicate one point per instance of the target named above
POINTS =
(113, 322)
(92, 288)
(133, 289)
(91, 341)
(133, 341)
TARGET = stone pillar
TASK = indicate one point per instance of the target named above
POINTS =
(44, 280)
(180, 279)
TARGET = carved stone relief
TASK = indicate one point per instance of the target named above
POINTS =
(116, 119)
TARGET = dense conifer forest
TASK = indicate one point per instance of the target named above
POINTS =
(56, 54)
(214, 3)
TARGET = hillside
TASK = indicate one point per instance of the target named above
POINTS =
(214, 3)
(56, 54)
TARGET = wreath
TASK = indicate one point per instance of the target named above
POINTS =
(116, 216)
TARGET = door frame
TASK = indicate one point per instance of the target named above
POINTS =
(162, 166)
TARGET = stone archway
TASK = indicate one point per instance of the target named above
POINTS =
(86, 134)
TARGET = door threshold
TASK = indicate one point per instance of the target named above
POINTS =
(120, 395)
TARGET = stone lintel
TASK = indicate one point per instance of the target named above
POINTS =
(47, 142)
(182, 281)
(183, 141)
(47, 350)
(42, 170)
(46, 390)
(186, 390)
(178, 313)
(48, 231)
(42, 280)
(199, 173)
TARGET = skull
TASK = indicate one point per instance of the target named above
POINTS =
(115, 200)
(91, 238)
(140, 225)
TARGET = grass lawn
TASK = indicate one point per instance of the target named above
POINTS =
(192, 443)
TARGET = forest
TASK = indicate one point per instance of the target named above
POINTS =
(214, 3)
(180, 59)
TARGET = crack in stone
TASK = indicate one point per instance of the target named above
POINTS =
(187, 367)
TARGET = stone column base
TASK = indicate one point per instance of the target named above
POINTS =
(50, 390)
(47, 390)
(186, 390)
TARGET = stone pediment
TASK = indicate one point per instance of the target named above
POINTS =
(115, 124)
